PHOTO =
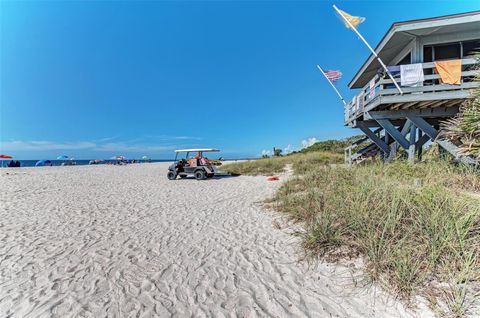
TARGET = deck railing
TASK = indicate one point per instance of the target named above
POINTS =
(380, 86)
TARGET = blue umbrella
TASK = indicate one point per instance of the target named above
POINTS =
(62, 157)
(41, 163)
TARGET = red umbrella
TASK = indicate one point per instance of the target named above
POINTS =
(5, 157)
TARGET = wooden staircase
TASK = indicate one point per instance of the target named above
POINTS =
(353, 156)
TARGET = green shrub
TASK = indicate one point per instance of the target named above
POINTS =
(332, 145)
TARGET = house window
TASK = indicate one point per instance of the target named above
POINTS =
(447, 52)
(450, 51)
(470, 48)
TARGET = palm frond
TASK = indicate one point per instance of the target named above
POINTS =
(464, 129)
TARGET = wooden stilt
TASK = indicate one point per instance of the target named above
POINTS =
(419, 145)
(411, 147)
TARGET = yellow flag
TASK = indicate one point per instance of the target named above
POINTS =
(355, 21)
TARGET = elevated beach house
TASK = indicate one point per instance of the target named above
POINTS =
(433, 62)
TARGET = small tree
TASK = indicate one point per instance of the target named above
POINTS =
(277, 152)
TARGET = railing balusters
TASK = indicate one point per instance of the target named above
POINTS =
(353, 110)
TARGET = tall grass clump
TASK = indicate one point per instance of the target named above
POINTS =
(417, 227)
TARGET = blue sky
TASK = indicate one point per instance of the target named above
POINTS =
(94, 79)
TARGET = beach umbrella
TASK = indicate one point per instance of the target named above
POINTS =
(41, 163)
(5, 157)
(118, 158)
(63, 158)
(145, 157)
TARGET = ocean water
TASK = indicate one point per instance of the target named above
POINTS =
(31, 163)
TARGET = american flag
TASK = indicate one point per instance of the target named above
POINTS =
(333, 75)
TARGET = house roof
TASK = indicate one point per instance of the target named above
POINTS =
(401, 34)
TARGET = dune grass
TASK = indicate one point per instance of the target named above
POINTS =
(267, 166)
(264, 166)
(302, 163)
(417, 227)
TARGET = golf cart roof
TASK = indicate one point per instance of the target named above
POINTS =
(198, 150)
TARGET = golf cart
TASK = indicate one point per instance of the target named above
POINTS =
(199, 166)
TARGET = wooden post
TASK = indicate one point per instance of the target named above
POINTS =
(420, 146)
(390, 129)
(411, 148)
(387, 141)
(431, 132)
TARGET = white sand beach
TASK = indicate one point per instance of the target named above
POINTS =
(123, 241)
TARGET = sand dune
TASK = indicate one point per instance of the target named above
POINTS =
(123, 241)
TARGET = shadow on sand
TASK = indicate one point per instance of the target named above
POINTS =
(218, 176)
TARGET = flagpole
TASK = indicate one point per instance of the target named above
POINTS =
(371, 49)
(336, 90)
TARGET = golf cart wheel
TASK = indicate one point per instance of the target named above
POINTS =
(199, 175)
(171, 175)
